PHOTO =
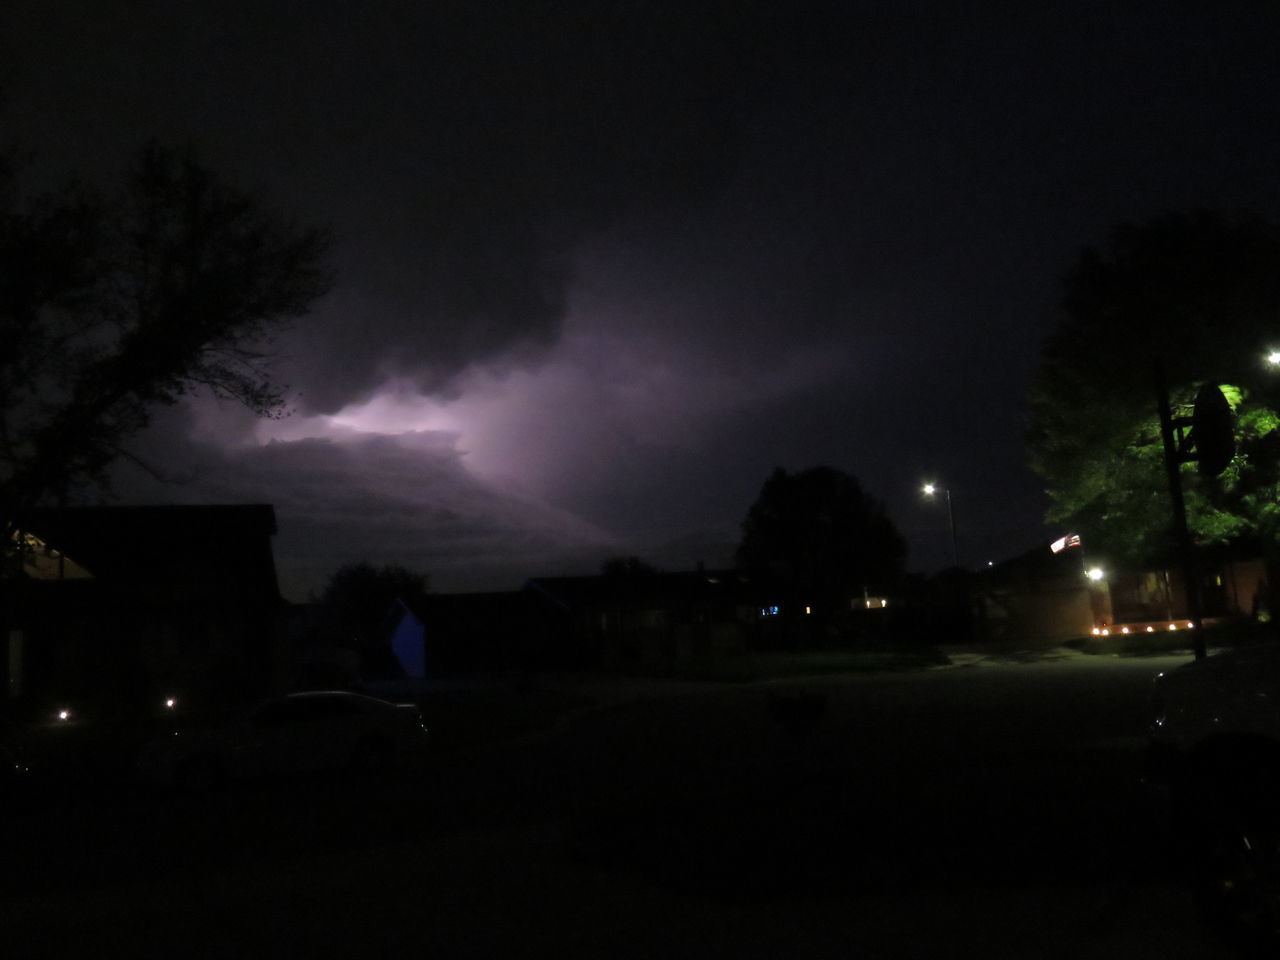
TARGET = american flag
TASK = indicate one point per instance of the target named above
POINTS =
(1064, 542)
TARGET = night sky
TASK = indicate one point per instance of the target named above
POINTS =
(602, 267)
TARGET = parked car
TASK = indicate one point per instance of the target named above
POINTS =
(1214, 741)
(294, 734)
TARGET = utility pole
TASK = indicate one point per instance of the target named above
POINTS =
(1173, 458)
(929, 490)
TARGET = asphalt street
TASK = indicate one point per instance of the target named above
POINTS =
(992, 810)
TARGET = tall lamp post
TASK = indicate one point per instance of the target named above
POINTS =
(931, 490)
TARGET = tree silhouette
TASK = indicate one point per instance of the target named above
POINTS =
(816, 533)
(359, 596)
(112, 305)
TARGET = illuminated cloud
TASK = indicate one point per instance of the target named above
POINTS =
(353, 496)
(603, 267)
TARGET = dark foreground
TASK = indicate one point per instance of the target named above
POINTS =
(993, 811)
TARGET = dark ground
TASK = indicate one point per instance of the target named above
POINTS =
(988, 810)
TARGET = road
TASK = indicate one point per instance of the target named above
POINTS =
(990, 811)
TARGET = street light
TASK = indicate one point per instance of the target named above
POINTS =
(930, 490)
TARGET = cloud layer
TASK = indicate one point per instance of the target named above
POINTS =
(602, 267)
(355, 496)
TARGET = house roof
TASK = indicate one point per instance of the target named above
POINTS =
(1040, 564)
(641, 589)
(206, 547)
(435, 607)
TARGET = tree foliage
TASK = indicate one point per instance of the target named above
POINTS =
(818, 532)
(1195, 295)
(112, 304)
(627, 568)
(359, 597)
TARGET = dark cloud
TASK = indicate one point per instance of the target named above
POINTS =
(461, 151)
(355, 496)
(616, 262)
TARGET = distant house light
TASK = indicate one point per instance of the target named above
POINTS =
(769, 611)
(40, 561)
(808, 610)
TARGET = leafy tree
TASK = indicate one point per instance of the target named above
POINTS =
(359, 597)
(817, 533)
(1194, 296)
(627, 568)
(110, 305)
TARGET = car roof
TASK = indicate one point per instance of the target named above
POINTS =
(348, 695)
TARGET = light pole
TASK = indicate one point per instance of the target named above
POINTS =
(931, 490)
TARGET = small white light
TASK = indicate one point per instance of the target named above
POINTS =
(170, 703)
(1096, 631)
(1274, 357)
(1095, 574)
(1173, 626)
(64, 714)
(1190, 625)
(1151, 629)
(1106, 632)
(1124, 629)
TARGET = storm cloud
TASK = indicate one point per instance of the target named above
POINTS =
(603, 267)
(461, 151)
(359, 496)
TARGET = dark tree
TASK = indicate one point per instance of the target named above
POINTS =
(1196, 294)
(627, 568)
(818, 533)
(110, 305)
(359, 597)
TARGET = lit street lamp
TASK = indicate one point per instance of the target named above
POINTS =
(929, 490)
